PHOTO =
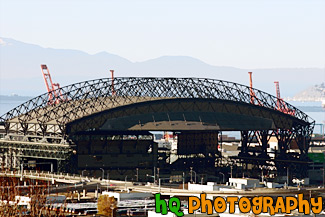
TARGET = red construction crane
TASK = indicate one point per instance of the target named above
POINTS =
(251, 91)
(277, 89)
(53, 89)
(251, 87)
(112, 74)
(280, 105)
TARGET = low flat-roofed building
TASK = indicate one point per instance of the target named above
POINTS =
(244, 183)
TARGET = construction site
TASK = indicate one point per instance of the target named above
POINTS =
(138, 128)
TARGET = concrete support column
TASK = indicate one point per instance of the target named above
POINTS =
(244, 143)
(264, 140)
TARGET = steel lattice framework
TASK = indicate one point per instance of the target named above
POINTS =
(40, 117)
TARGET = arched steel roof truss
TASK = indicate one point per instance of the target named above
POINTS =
(39, 116)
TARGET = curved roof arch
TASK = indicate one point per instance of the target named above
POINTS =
(87, 98)
(185, 114)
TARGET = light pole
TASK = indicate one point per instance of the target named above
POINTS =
(103, 173)
(183, 180)
(223, 177)
(192, 171)
(137, 174)
(125, 181)
(152, 177)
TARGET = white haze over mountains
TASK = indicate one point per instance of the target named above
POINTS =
(20, 71)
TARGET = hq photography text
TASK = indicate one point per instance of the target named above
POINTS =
(257, 205)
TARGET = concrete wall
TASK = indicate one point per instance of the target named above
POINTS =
(244, 183)
(274, 185)
(211, 186)
(198, 187)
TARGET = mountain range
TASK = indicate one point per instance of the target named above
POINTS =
(314, 93)
(20, 69)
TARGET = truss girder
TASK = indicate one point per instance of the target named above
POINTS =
(37, 150)
(38, 116)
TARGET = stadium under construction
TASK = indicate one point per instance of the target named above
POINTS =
(107, 124)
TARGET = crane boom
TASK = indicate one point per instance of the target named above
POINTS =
(251, 87)
(280, 104)
(53, 89)
(47, 78)
(251, 91)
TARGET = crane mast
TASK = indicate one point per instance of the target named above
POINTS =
(251, 91)
(112, 74)
(252, 94)
(277, 87)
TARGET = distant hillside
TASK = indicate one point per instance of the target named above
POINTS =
(20, 69)
(14, 98)
(314, 93)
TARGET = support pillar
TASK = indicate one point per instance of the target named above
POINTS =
(264, 140)
(284, 138)
(244, 143)
(303, 137)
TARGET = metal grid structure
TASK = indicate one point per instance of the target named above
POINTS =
(38, 128)
(40, 117)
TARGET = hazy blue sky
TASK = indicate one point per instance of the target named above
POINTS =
(245, 34)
